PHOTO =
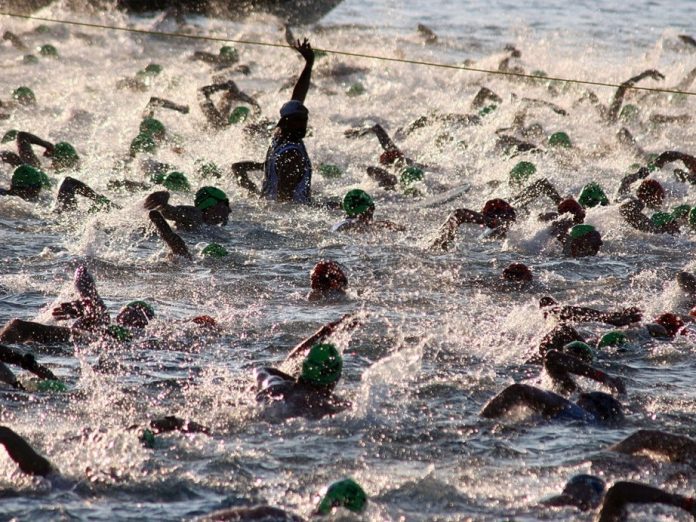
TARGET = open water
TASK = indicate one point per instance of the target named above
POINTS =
(437, 340)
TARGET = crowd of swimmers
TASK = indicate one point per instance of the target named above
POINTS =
(304, 383)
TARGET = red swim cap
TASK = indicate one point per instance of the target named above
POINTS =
(328, 275)
(517, 272)
(573, 207)
(670, 322)
(388, 157)
(651, 193)
(499, 208)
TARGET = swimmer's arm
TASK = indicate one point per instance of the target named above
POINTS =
(676, 447)
(622, 493)
(11, 158)
(541, 187)
(163, 103)
(541, 401)
(18, 331)
(25, 141)
(19, 450)
(383, 178)
(448, 230)
(70, 187)
(673, 155)
(631, 211)
(559, 365)
(613, 112)
(301, 89)
(630, 179)
(321, 334)
(389, 225)
(384, 140)
(240, 171)
(171, 238)
(586, 314)
(183, 215)
(211, 113)
(172, 423)
(16, 42)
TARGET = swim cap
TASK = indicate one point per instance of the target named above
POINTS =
(26, 176)
(10, 135)
(177, 182)
(521, 172)
(518, 272)
(681, 211)
(660, 219)
(119, 333)
(144, 307)
(229, 53)
(142, 143)
(207, 197)
(499, 209)
(592, 195)
(152, 127)
(24, 96)
(612, 338)
(579, 231)
(602, 405)
(147, 437)
(692, 218)
(65, 155)
(48, 50)
(670, 322)
(328, 275)
(629, 112)
(573, 207)
(588, 490)
(389, 157)
(411, 175)
(355, 90)
(30, 59)
(559, 139)
(214, 250)
(330, 171)
(239, 114)
(51, 385)
(357, 202)
(487, 110)
(293, 109)
(153, 68)
(580, 350)
(651, 192)
(208, 170)
(345, 493)
(322, 366)
(651, 162)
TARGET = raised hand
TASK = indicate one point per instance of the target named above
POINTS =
(305, 49)
(156, 200)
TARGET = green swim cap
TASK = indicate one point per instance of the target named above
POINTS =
(411, 175)
(147, 438)
(30, 59)
(238, 115)
(10, 135)
(207, 197)
(629, 112)
(613, 338)
(153, 69)
(660, 219)
(692, 218)
(681, 211)
(152, 127)
(539, 73)
(487, 110)
(142, 143)
(355, 90)
(322, 366)
(65, 155)
(651, 162)
(208, 170)
(330, 171)
(579, 231)
(51, 385)
(144, 307)
(26, 176)
(357, 202)
(521, 172)
(592, 195)
(560, 139)
(49, 51)
(119, 333)
(580, 350)
(24, 96)
(177, 182)
(214, 250)
(345, 493)
(229, 53)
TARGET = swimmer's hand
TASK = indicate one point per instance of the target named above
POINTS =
(357, 133)
(156, 200)
(654, 74)
(305, 50)
(72, 309)
(348, 322)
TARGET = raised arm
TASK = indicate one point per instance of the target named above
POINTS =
(171, 238)
(630, 179)
(518, 394)
(669, 156)
(560, 365)
(240, 171)
(623, 493)
(184, 216)
(678, 448)
(348, 321)
(25, 140)
(615, 106)
(448, 230)
(541, 187)
(299, 93)
(19, 450)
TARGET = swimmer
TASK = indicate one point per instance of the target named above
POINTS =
(559, 365)
(344, 493)
(583, 314)
(211, 207)
(359, 208)
(156, 102)
(222, 116)
(676, 448)
(661, 223)
(227, 56)
(327, 281)
(63, 155)
(611, 114)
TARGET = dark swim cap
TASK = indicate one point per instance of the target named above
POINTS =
(411, 175)
(345, 493)
(517, 272)
(26, 176)
(144, 307)
(560, 139)
(207, 197)
(24, 96)
(322, 366)
(580, 350)
(49, 51)
(238, 115)
(214, 250)
(612, 338)
(327, 275)
(357, 202)
(601, 405)
(152, 127)
(592, 195)
(177, 182)
(294, 109)
(651, 193)
(521, 172)
(587, 490)
(142, 143)
(65, 155)
(10, 135)
(153, 68)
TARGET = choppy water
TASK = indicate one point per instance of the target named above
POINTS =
(434, 346)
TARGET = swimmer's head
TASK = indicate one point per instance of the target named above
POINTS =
(153, 69)
(687, 282)
(560, 139)
(48, 51)
(602, 405)
(592, 195)
(521, 172)
(330, 171)
(119, 333)
(214, 204)
(651, 193)
(580, 350)
(293, 119)
(498, 212)
(345, 493)
(322, 366)
(661, 219)
(207, 169)
(613, 338)
(136, 314)
(176, 182)
(390, 157)
(410, 175)
(517, 273)
(559, 337)
(24, 96)
(229, 53)
(582, 241)
(584, 491)
(327, 276)
(670, 322)
(27, 177)
(681, 212)
(358, 203)
(238, 115)
(215, 251)
(153, 127)
(570, 206)
(65, 156)
(142, 143)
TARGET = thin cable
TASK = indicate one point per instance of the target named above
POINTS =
(343, 53)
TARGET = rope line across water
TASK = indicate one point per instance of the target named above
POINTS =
(342, 53)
